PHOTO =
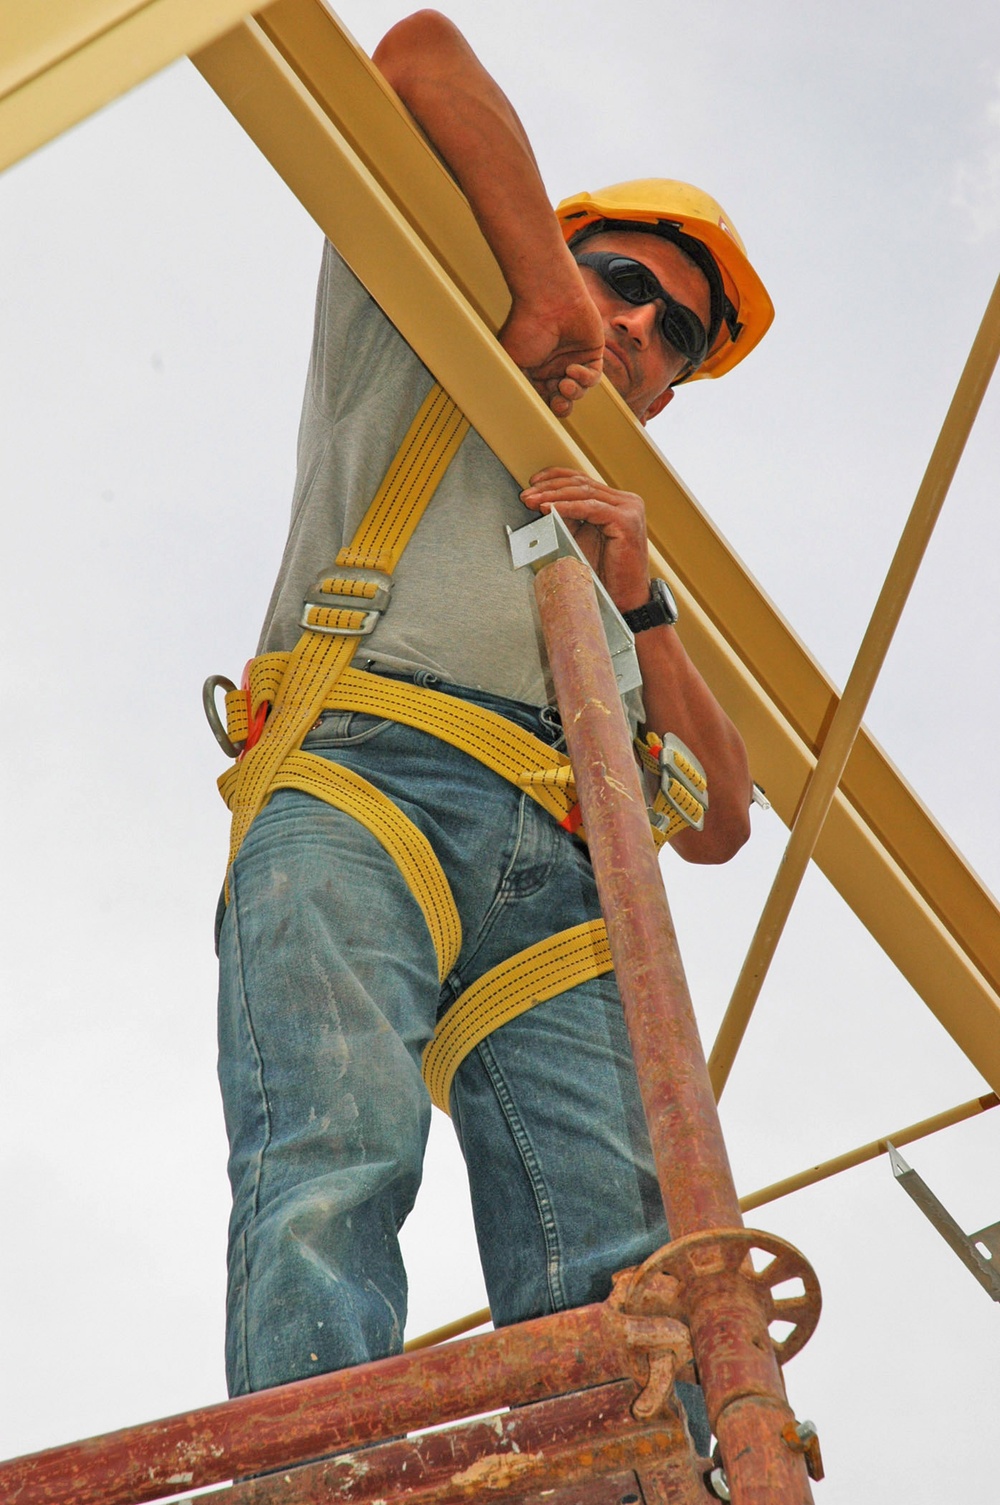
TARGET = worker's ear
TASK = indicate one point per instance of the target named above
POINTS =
(657, 405)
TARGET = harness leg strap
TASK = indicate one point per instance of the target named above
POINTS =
(542, 971)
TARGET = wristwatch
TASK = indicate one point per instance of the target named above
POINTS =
(659, 611)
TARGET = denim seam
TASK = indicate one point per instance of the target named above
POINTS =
(266, 1140)
(546, 1218)
(459, 979)
(345, 739)
(243, 1381)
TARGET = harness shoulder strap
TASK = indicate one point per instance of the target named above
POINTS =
(330, 640)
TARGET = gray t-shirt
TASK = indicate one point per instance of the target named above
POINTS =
(458, 606)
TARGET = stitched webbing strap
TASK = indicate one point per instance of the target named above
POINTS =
(411, 480)
(319, 658)
(542, 971)
(266, 672)
(405, 842)
(516, 755)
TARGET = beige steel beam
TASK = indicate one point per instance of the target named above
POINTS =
(300, 87)
(323, 171)
(60, 60)
(356, 98)
(861, 681)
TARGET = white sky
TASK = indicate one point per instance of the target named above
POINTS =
(156, 287)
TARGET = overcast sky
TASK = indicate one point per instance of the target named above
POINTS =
(156, 295)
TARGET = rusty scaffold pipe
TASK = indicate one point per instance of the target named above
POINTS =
(328, 1414)
(706, 1265)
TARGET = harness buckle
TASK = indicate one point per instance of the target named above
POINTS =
(683, 786)
(347, 588)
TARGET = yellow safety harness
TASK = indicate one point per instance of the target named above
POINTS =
(284, 694)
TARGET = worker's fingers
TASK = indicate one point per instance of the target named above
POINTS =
(563, 475)
(555, 473)
(562, 392)
(559, 484)
(610, 518)
(609, 525)
(559, 349)
(572, 488)
(583, 376)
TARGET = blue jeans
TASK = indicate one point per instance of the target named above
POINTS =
(329, 993)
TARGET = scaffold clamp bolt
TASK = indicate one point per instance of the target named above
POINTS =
(802, 1437)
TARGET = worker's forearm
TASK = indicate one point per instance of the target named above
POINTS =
(473, 126)
(678, 700)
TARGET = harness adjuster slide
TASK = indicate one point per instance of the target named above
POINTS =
(347, 589)
(683, 786)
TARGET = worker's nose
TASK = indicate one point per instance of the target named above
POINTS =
(639, 322)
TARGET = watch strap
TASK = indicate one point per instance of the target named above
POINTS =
(659, 611)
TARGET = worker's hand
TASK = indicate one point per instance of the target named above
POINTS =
(560, 350)
(610, 527)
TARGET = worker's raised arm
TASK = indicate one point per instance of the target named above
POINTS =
(553, 331)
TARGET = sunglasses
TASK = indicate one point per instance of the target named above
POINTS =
(635, 283)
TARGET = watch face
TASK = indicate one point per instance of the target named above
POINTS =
(662, 593)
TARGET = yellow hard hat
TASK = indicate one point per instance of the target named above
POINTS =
(669, 206)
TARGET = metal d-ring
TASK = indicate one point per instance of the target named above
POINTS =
(219, 682)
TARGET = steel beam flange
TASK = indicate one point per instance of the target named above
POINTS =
(664, 1283)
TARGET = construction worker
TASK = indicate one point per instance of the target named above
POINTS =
(330, 982)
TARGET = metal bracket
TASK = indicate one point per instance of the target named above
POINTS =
(548, 538)
(985, 1268)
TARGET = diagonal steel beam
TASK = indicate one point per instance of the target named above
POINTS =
(62, 59)
(846, 722)
(299, 86)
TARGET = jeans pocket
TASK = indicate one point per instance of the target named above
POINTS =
(343, 729)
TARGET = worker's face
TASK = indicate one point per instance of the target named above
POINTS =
(638, 361)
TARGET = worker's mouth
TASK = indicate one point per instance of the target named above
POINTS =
(618, 371)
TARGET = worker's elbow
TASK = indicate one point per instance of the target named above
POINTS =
(719, 839)
(735, 835)
(408, 47)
